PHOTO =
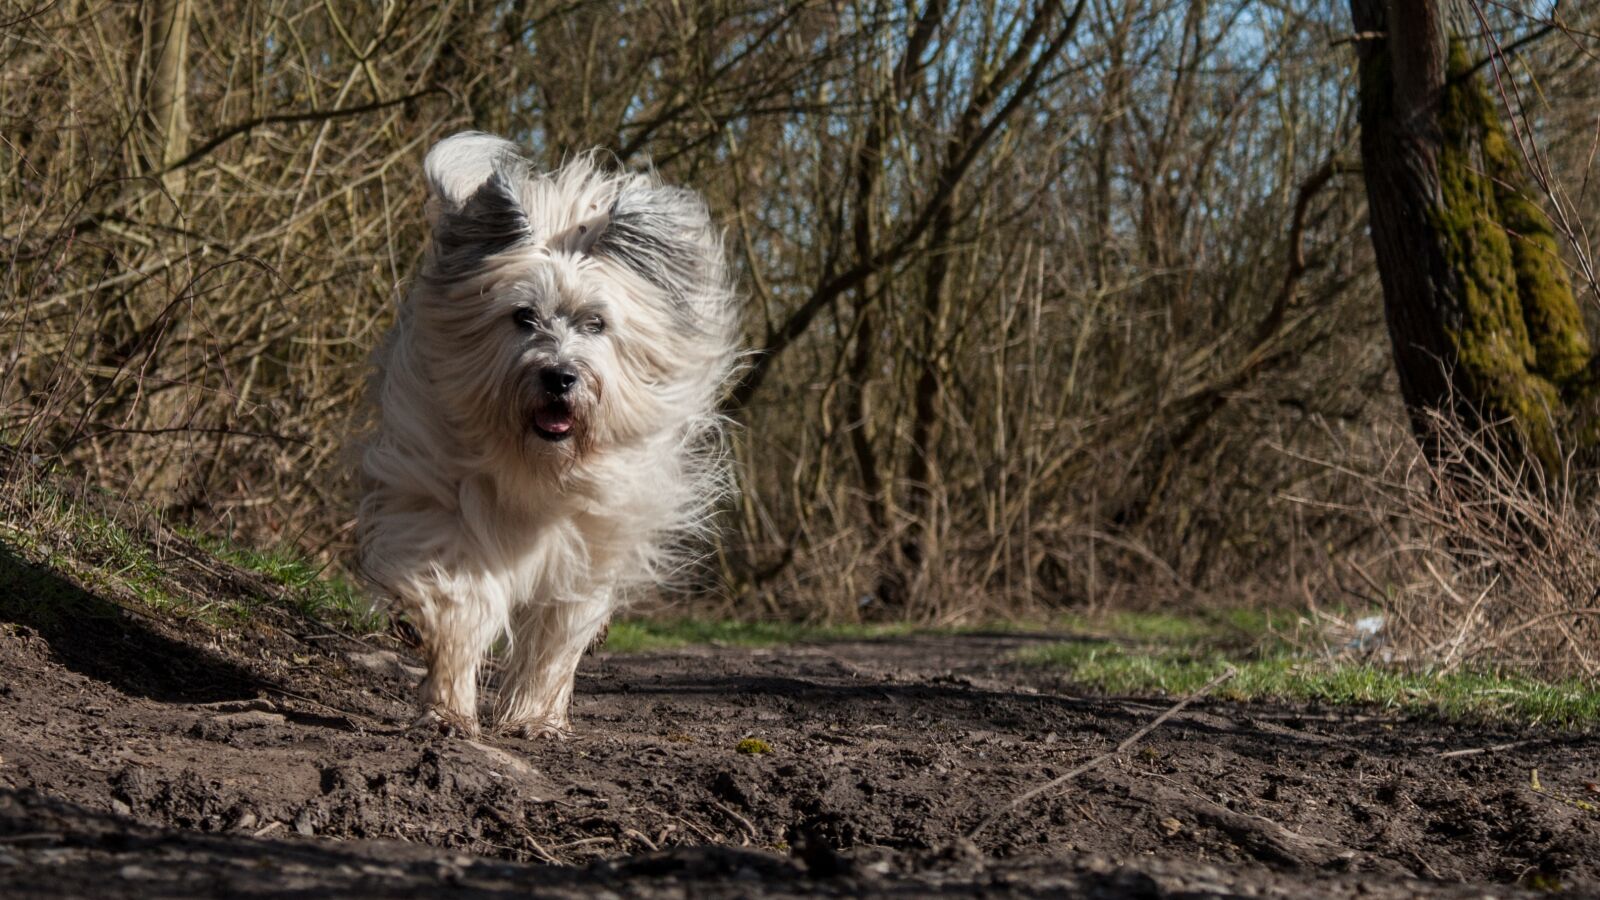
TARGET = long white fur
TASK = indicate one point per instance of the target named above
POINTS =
(472, 523)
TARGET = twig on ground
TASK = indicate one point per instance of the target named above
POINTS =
(1121, 748)
(734, 815)
(641, 837)
(1493, 748)
(584, 842)
(539, 849)
(1267, 840)
(1430, 870)
(348, 716)
(705, 833)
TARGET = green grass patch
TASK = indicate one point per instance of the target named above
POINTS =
(1177, 653)
(328, 597)
(1216, 628)
(1276, 672)
(1212, 627)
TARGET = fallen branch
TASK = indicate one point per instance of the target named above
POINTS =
(1117, 751)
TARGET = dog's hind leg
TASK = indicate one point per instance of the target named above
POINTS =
(548, 640)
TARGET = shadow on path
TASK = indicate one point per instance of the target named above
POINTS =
(101, 640)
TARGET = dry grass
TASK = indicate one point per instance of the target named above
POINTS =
(1484, 562)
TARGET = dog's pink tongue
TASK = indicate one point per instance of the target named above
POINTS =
(553, 421)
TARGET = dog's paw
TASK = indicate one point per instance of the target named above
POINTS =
(446, 723)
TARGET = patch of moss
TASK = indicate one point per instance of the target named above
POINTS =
(1549, 307)
(753, 747)
(1519, 335)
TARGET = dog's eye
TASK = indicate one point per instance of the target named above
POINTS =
(525, 318)
(594, 325)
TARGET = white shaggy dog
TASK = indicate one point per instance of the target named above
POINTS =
(547, 431)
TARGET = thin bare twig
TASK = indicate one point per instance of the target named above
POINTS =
(734, 815)
(1493, 748)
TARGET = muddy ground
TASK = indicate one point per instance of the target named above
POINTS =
(138, 759)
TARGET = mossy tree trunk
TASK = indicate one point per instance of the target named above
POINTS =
(1483, 320)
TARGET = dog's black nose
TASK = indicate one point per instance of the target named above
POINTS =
(558, 379)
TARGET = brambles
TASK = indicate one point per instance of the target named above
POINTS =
(1489, 562)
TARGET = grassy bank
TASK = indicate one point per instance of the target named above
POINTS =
(1173, 654)
(49, 532)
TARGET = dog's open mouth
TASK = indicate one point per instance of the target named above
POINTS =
(553, 421)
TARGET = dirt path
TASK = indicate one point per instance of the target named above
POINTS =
(136, 760)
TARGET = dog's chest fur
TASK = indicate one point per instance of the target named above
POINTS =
(592, 529)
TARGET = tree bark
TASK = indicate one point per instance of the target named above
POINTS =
(1483, 321)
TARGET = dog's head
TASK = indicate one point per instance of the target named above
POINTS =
(567, 313)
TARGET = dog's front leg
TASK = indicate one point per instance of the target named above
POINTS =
(548, 640)
(455, 638)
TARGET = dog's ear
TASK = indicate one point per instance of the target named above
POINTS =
(663, 234)
(589, 231)
(473, 204)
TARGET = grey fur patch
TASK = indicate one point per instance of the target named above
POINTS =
(489, 221)
(661, 234)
